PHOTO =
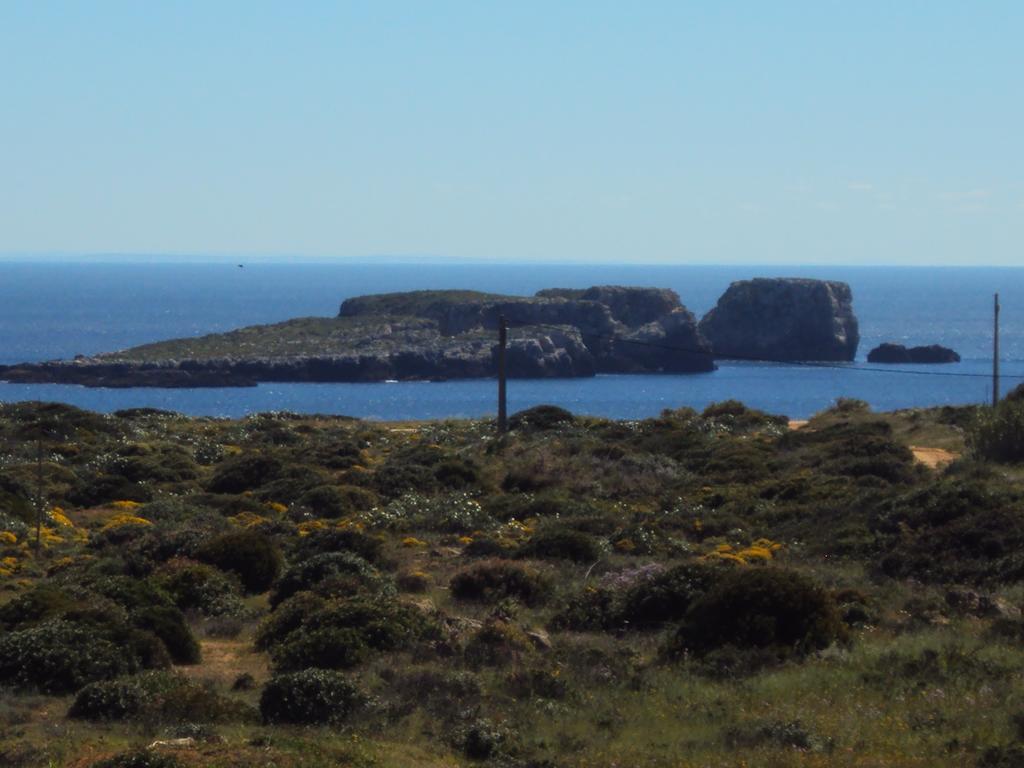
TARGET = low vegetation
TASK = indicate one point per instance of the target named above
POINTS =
(693, 589)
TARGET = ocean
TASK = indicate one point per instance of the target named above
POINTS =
(57, 310)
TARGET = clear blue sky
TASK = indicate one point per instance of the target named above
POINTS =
(824, 132)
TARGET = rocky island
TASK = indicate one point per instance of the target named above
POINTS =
(898, 353)
(429, 335)
(784, 319)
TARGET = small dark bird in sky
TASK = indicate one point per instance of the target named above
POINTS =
(241, 266)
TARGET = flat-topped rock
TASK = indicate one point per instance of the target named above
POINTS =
(897, 353)
(784, 319)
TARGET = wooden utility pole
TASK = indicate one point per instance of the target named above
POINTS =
(995, 354)
(39, 490)
(502, 375)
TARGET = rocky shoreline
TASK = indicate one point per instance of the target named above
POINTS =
(434, 335)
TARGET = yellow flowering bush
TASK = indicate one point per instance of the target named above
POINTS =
(57, 515)
(309, 526)
(412, 542)
(278, 507)
(760, 551)
(122, 520)
(6, 537)
(125, 505)
(248, 520)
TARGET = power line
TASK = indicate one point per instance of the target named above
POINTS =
(748, 359)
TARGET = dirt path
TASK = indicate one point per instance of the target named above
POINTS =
(934, 458)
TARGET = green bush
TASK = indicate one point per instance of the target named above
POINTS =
(250, 555)
(665, 597)
(202, 588)
(244, 473)
(964, 529)
(563, 543)
(484, 739)
(155, 698)
(140, 758)
(286, 618)
(168, 623)
(323, 647)
(148, 463)
(309, 697)
(492, 580)
(60, 656)
(330, 573)
(338, 500)
(541, 418)
(340, 634)
(499, 641)
(998, 433)
(761, 608)
(336, 540)
(44, 601)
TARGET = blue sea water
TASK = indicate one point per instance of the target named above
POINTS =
(58, 310)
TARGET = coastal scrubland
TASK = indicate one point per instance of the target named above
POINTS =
(710, 588)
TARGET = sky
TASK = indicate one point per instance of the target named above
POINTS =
(818, 132)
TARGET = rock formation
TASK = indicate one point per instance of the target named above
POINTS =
(783, 319)
(897, 353)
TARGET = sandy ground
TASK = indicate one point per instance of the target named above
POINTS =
(934, 458)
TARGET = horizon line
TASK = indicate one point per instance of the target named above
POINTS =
(126, 257)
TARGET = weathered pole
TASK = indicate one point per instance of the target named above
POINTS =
(39, 491)
(995, 354)
(502, 374)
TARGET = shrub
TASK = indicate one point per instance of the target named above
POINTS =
(415, 582)
(168, 623)
(998, 433)
(326, 501)
(250, 555)
(965, 529)
(155, 698)
(541, 418)
(202, 588)
(288, 617)
(498, 641)
(140, 758)
(324, 647)
(492, 580)
(442, 691)
(60, 657)
(313, 696)
(335, 540)
(161, 463)
(562, 542)
(43, 602)
(761, 608)
(244, 473)
(737, 417)
(483, 739)
(457, 473)
(340, 634)
(666, 596)
(330, 573)
(109, 700)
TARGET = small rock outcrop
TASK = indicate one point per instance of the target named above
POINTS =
(784, 319)
(897, 353)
